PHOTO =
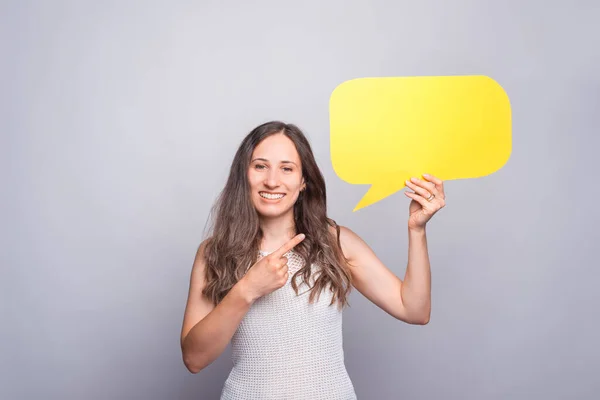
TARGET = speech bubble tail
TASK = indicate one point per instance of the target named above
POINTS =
(378, 191)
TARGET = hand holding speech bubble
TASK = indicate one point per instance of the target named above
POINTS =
(384, 131)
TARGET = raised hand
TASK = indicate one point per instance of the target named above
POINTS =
(270, 272)
(427, 199)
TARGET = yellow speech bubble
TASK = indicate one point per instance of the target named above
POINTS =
(385, 130)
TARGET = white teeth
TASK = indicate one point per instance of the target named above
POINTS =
(271, 196)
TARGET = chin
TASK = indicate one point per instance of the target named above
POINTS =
(273, 212)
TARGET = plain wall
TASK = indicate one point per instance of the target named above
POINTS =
(119, 121)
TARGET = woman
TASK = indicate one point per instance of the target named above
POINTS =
(275, 275)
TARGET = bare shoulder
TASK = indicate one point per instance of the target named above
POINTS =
(199, 265)
(199, 260)
(370, 276)
(351, 243)
(197, 306)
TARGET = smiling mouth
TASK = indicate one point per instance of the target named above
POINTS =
(271, 196)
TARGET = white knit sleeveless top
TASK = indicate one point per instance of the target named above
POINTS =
(286, 348)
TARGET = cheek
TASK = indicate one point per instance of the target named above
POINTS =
(295, 186)
(253, 179)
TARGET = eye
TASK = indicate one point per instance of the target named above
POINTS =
(288, 169)
(260, 166)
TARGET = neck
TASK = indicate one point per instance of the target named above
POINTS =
(277, 231)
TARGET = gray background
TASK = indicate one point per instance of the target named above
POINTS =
(119, 121)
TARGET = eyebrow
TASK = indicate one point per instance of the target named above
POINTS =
(265, 160)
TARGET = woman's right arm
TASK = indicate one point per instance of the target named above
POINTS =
(207, 329)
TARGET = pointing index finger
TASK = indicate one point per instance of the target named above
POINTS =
(293, 242)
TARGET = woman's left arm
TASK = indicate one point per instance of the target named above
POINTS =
(408, 300)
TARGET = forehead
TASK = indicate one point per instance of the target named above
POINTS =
(276, 148)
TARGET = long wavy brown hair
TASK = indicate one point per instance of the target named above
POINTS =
(236, 233)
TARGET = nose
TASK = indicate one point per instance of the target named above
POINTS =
(272, 178)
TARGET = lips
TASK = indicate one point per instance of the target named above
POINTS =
(271, 196)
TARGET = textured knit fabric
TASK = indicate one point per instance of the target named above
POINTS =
(286, 348)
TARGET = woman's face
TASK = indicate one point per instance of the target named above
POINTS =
(275, 176)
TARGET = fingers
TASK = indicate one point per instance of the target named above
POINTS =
(280, 262)
(293, 242)
(282, 270)
(420, 199)
(439, 184)
(431, 185)
(433, 179)
(422, 188)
